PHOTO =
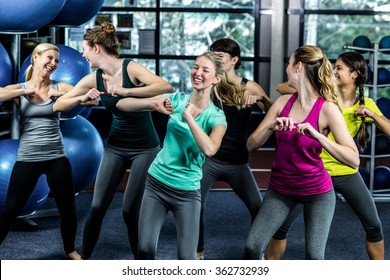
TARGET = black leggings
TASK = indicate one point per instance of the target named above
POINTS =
(240, 179)
(355, 192)
(24, 177)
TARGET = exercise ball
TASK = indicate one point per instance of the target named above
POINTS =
(383, 76)
(370, 75)
(84, 148)
(8, 152)
(384, 43)
(382, 178)
(27, 46)
(5, 67)
(365, 176)
(71, 68)
(21, 16)
(77, 12)
(362, 42)
(382, 144)
(383, 104)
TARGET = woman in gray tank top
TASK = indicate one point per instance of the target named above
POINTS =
(41, 149)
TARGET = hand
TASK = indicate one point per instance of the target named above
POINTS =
(282, 124)
(249, 100)
(190, 111)
(164, 106)
(308, 130)
(113, 88)
(92, 94)
(28, 93)
(362, 111)
(54, 94)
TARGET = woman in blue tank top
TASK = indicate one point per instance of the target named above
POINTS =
(41, 149)
(132, 141)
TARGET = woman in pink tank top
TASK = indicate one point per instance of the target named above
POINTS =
(302, 122)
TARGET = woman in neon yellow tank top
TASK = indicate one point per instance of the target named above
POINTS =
(350, 73)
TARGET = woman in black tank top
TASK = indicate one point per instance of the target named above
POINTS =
(230, 164)
(132, 142)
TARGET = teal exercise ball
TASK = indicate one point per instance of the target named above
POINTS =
(384, 43)
(21, 16)
(8, 155)
(362, 42)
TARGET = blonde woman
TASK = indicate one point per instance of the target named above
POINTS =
(302, 122)
(41, 148)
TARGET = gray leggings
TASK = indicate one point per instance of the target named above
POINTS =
(113, 166)
(318, 214)
(157, 201)
(355, 192)
(240, 179)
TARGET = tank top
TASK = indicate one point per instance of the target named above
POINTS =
(233, 148)
(40, 134)
(298, 167)
(134, 130)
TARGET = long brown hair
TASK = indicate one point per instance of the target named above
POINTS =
(319, 71)
(356, 63)
(225, 91)
(105, 37)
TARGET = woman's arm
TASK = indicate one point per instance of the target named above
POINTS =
(156, 103)
(284, 88)
(83, 91)
(268, 125)
(262, 100)
(208, 144)
(13, 91)
(147, 83)
(344, 149)
(381, 122)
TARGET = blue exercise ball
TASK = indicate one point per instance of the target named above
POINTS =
(370, 75)
(383, 76)
(383, 104)
(384, 43)
(382, 144)
(5, 67)
(21, 16)
(84, 147)
(365, 176)
(8, 155)
(362, 42)
(77, 12)
(71, 68)
(382, 178)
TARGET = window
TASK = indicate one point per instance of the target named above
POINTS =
(167, 35)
